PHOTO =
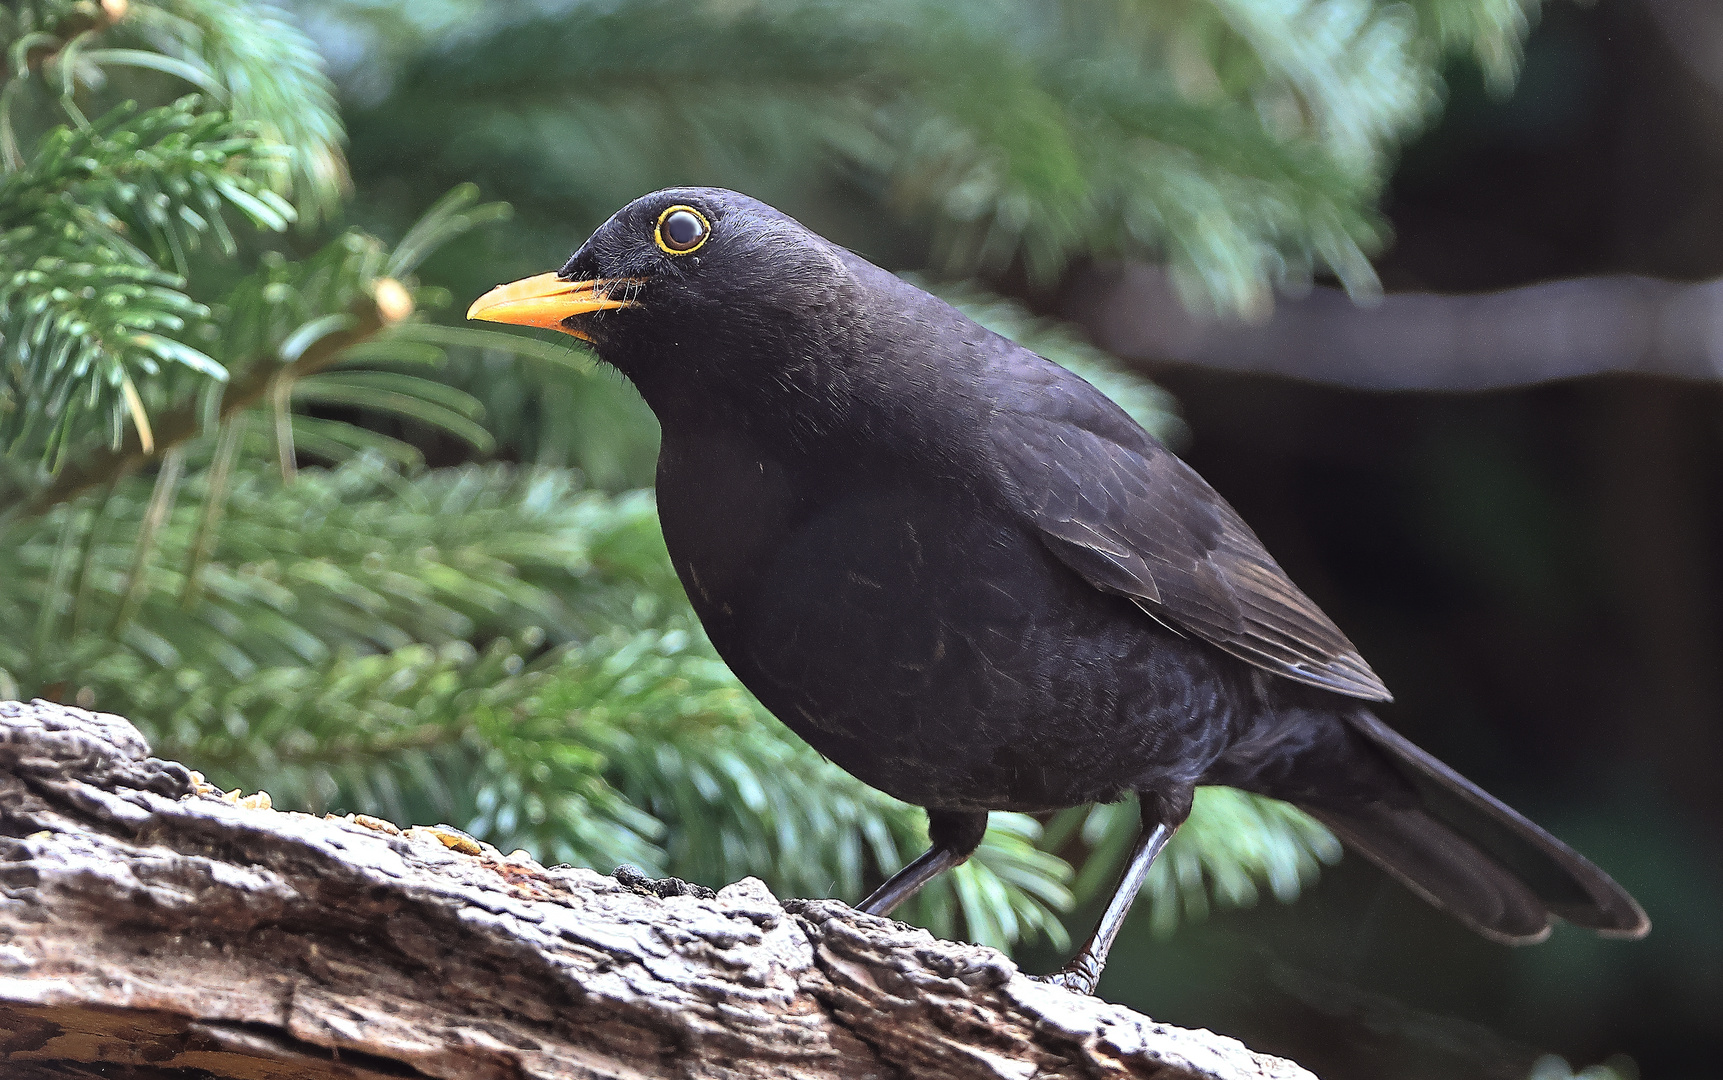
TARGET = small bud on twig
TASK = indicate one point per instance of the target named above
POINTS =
(394, 302)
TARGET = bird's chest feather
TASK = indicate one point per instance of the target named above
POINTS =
(810, 578)
(925, 642)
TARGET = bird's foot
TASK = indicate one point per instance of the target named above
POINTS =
(1082, 975)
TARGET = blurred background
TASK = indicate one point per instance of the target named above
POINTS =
(1427, 290)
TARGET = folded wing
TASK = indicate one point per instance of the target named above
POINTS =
(1124, 512)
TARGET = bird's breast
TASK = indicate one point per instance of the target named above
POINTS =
(820, 576)
(904, 626)
(726, 507)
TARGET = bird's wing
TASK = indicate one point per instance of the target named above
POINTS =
(1131, 518)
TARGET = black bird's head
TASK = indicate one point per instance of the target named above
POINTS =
(688, 290)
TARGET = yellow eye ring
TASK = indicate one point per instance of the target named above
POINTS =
(681, 230)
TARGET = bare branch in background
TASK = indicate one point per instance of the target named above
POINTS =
(1421, 341)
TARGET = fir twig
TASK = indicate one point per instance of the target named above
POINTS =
(177, 425)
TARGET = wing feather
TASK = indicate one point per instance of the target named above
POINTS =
(1124, 512)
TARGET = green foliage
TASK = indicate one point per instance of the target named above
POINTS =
(1492, 31)
(263, 71)
(88, 314)
(101, 225)
(1244, 141)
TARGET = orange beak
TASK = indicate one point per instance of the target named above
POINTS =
(546, 300)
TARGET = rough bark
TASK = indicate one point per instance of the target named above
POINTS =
(151, 927)
(1421, 341)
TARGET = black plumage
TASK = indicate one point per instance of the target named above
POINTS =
(963, 574)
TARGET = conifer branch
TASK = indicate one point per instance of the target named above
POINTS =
(177, 425)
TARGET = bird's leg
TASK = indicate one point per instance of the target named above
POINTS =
(955, 835)
(1083, 971)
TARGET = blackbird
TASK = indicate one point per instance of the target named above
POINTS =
(967, 577)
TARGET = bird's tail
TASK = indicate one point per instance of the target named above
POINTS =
(1466, 852)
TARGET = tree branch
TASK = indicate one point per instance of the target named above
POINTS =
(1422, 341)
(148, 924)
(175, 426)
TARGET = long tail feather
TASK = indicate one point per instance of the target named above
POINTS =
(1471, 855)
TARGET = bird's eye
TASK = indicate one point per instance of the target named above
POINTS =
(681, 229)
